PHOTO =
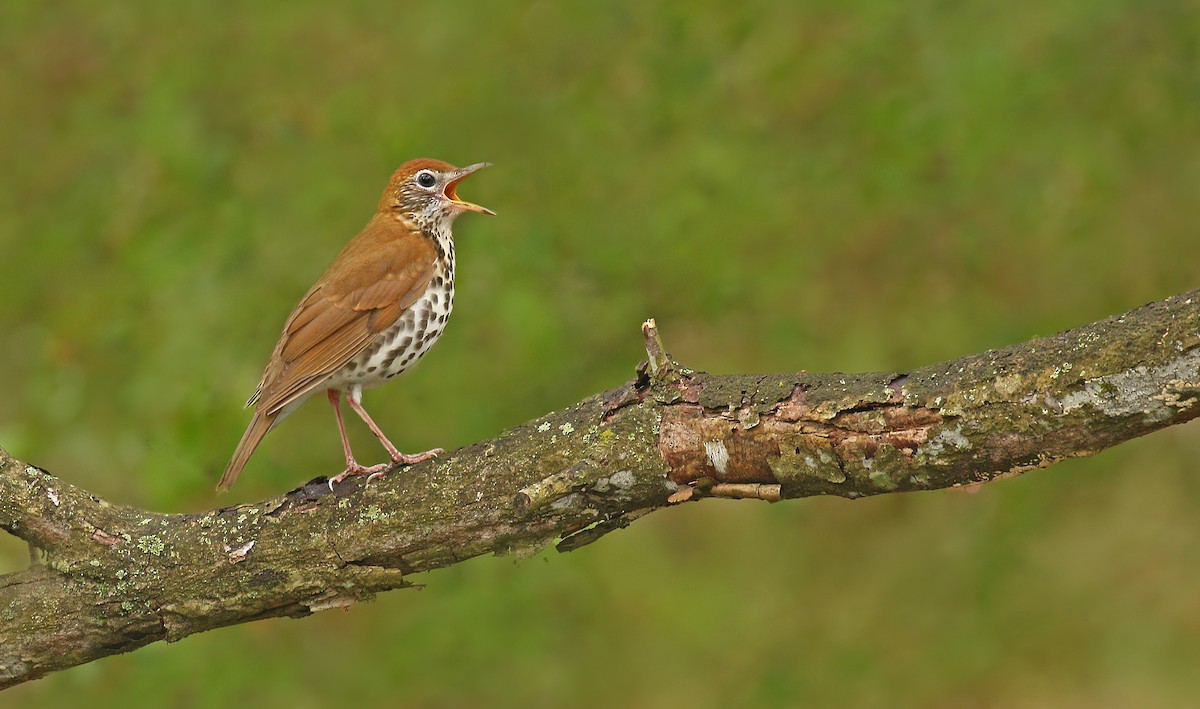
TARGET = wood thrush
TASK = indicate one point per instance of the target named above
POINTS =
(374, 313)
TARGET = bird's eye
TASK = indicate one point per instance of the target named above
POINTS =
(426, 179)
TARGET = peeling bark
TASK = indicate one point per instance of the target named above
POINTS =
(108, 579)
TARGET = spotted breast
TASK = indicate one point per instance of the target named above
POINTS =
(402, 345)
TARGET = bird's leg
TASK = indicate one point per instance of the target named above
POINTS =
(335, 400)
(352, 466)
(355, 403)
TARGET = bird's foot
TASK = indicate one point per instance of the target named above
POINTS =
(378, 471)
(356, 469)
(415, 458)
(405, 459)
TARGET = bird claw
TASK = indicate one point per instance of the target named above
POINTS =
(356, 469)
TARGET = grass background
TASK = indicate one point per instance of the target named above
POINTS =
(783, 185)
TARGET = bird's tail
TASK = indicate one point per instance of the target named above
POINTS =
(259, 426)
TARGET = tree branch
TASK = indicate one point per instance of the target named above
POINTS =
(108, 579)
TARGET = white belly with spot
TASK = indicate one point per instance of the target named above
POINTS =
(403, 344)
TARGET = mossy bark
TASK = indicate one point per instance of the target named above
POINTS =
(108, 579)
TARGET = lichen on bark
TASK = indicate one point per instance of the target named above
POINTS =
(107, 579)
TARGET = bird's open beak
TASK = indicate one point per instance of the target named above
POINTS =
(452, 189)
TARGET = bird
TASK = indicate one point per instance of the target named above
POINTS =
(373, 314)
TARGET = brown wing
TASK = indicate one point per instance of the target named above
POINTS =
(379, 274)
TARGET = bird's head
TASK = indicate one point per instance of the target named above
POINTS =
(426, 192)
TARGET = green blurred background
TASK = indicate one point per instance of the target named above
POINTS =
(809, 185)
